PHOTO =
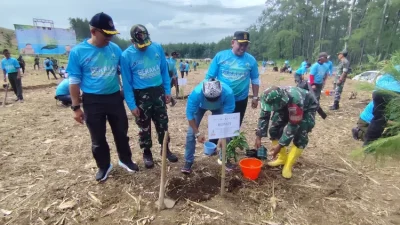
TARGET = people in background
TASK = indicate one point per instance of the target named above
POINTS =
(21, 62)
(340, 78)
(299, 75)
(194, 65)
(187, 68)
(62, 71)
(172, 74)
(48, 64)
(318, 74)
(10, 67)
(147, 90)
(55, 63)
(210, 95)
(182, 68)
(37, 62)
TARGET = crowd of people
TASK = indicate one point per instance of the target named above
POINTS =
(148, 75)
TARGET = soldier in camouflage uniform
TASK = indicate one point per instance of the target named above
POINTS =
(340, 78)
(147, 89)
(292, 119)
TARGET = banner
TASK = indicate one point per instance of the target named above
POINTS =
(33, 40)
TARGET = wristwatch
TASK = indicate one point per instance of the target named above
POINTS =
(255, 98)
(197, 135)
(76, 107)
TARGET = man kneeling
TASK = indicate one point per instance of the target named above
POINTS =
(62, 92)
(208, 95)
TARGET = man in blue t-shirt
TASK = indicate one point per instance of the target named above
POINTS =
(11, 68)
(172, 74)
(147, 89)
(62, 92)
(211, 95)
(48, 65)
(299, 75)
(92, 68)
(318, 74)
(236, 68)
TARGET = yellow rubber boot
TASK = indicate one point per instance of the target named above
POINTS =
(291, 160)
(282, 156)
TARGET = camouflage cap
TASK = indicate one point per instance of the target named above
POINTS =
(273, 99)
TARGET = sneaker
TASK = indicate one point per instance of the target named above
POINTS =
(130, 167)
(102, 174)
(148, 160)
(187, 169)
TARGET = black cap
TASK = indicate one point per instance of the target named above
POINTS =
(241, 36)
(344, 53)
(175, 54)
(104, 22)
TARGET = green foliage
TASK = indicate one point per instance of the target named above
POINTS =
(365, 86)
(8, 39)
(239, 142)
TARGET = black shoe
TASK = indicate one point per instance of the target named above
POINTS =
(354, 132)
(173, 102)
(131, 166)
(335, 106)
(170, 156)
(102, 173)
(148, 160)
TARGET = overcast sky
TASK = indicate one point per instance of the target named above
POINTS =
(168, 21)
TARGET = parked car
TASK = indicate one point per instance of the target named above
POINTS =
(368, 76)
(270, 62)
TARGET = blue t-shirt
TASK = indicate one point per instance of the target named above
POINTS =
(94, 69)
(10, 65)
(50, 64)
(63, 88)
(235, 71)
(318, 71)
(329, 65)
(301, 71)
(303, 64)
(172, 66)
(187, 67)
(388, 82)
(197, 100)
(367, 115)
(144, 69)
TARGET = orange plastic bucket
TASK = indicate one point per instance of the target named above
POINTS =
(327, 92)
(250, 167)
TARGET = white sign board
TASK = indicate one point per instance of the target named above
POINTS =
(182, 81)
(223, 126)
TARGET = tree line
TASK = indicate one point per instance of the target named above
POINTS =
(289, 29)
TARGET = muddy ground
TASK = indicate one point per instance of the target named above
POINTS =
(47, 171)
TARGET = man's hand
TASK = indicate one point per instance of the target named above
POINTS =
(254, 103)
(136, 112)
(167, 99)
(19, 76)
(340, 80)
(201, 138)
(275, 150)
(257, 143)
(219, 144)
(78, 116)
(314, 87)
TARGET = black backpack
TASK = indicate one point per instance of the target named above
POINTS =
(48, 63)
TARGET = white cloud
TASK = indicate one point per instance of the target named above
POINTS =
(223, 3)
(193, 21)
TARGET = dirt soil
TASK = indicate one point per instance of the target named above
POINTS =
(47, 171)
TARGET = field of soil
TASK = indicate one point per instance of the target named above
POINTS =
(47, 171)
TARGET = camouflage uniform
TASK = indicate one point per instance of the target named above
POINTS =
(343, 67)
(151, 104)
(293, 117)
